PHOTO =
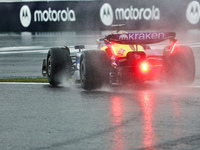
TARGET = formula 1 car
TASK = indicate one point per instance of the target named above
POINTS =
(122, 58)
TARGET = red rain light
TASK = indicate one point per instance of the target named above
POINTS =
(144, 66)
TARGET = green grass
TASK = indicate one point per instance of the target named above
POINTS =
(41, 80)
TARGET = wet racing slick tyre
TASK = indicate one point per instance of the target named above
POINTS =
(179, 66)
(94, 69)
(58, 65)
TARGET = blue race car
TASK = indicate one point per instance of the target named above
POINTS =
(122, 58)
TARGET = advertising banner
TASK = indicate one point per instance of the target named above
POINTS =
(99, 15)
(54, 16)
(154, 14)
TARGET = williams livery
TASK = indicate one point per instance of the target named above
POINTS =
(122, 58)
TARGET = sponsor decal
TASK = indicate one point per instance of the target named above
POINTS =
(193, 12)
(137, 14)
(123, 37)
(48, 15)
(142, 36)
(108, 15)
(25, 16)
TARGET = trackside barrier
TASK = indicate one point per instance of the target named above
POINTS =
(99, 15)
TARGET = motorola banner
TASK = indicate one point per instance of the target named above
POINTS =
(154, 14)
(49, 16)
(45, 16)
(135, 16)
(99, 15)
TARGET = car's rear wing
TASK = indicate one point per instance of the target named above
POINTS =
(140, 38)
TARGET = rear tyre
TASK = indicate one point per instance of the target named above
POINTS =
(94, 69)
(179, 66)
(58, 65)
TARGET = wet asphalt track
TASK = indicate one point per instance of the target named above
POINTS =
(41, 117)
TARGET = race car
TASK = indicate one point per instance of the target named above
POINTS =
(122, 58)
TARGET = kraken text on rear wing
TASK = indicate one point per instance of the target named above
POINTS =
(140, 38)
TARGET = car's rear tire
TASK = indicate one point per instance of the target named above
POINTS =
(179, 66)
(94, 69)
(58, 65)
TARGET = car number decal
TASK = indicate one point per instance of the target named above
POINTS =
(121, 51)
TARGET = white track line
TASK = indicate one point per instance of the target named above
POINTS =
(23, 83)
(35, 49)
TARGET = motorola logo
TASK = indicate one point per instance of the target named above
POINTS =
(25, 16)
(193, 12)
(106, 14)
(47, 15)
